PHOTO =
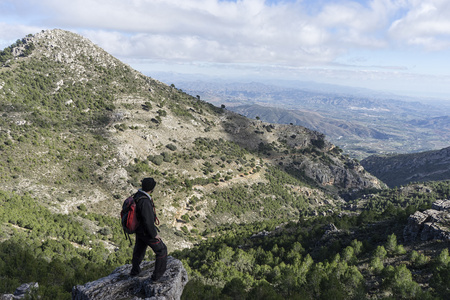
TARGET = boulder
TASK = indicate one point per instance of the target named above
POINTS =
(429, 225)
(331, 234)
(120, 285)
(441, 205)
(21, 292)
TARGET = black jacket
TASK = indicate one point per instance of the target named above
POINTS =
(145, 215)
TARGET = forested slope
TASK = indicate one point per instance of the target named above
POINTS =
(349, 256)
(80, 129)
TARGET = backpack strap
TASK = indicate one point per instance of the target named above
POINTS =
(156, 221)
(154, 212)
(127, 236)
(137, 200)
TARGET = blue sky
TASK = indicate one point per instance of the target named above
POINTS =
(393, 45)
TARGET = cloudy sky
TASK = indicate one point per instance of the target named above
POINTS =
(393, 45)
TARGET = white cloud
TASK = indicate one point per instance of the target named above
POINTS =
(282, 29)
(264, 35)
(426, 24)
(241, 31)
(10, 33)
(245, 31)
(252, 31)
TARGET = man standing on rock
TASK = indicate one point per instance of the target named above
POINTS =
(146, 233)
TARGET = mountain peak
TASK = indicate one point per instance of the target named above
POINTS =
(68, 47)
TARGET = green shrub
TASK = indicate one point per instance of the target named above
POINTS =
(185, 218)
(166, 157)
(157, 159)
(419, 260)
(171, 147)
(105, 231)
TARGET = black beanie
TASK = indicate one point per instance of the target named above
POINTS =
(148, 184)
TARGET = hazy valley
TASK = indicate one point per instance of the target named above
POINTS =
(362, 122)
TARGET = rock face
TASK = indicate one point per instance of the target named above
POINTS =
(331, 235)
(396, 170)
(431, 224)
(21, 292)
(119, 285)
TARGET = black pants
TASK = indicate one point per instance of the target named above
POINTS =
(158, 247)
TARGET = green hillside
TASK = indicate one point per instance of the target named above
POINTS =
(80, 129)
(333, 257)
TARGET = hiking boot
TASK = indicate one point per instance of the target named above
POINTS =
(135, 273)
(141, 274)
(155, 278)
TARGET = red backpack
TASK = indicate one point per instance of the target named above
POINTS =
(129, 218)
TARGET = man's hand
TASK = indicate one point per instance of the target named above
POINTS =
(157, 237)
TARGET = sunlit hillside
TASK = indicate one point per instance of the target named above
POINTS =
(80, 129)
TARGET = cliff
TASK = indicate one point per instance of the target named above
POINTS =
(395, 170)
(431, 224)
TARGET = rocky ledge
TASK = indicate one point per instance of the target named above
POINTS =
(119, 285)
(431, 224)
(22, 292)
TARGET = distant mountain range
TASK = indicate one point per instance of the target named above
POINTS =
(361, 122)
(333, 128)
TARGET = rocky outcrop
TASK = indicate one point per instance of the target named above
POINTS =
(330, 236)
(396, 170)
(119, 285)
(431, 224)
(21, 292)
